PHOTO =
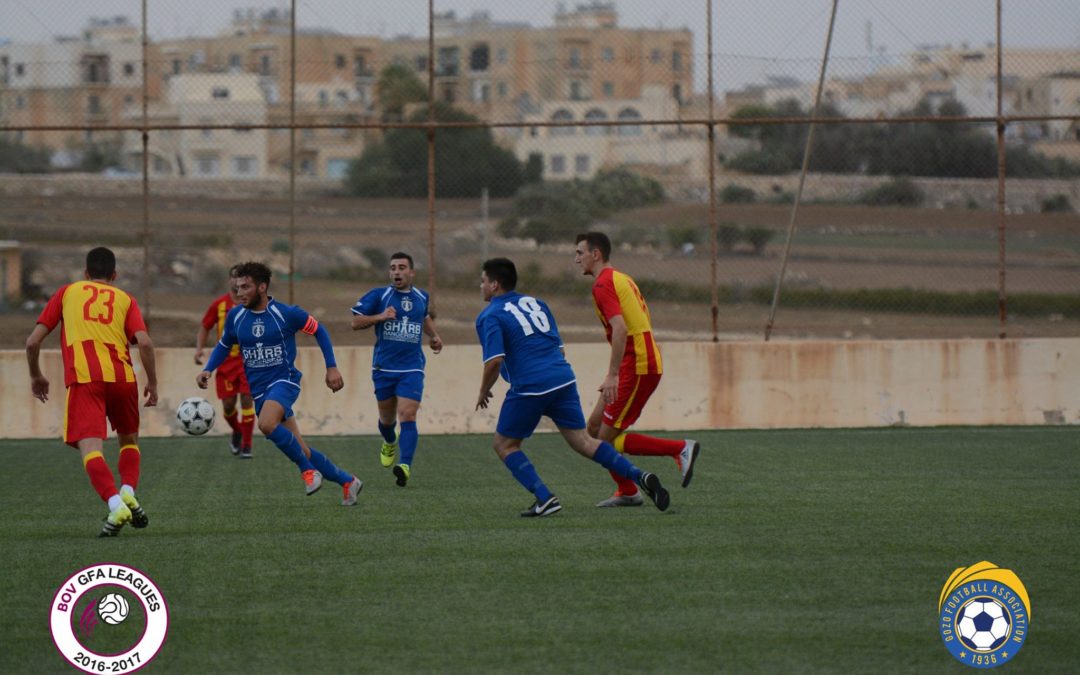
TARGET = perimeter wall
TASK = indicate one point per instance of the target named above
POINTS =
(706, 386)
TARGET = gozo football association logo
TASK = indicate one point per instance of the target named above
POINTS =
(109, 618)
(983, 614)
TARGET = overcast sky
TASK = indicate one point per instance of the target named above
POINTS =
(752, 38)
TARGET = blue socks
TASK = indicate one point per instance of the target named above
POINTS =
(387, 432)
(610, 458)
(328, 469)
(524, 472)
(407, 440)
(287, 443)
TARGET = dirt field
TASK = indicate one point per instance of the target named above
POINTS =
(195, 239)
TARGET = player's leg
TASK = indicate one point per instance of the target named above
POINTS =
(634, 392)
(320, 461)
(84, 430)
(410, 389)
(518, 418)
(122, 410)
(626, 492)
(225, 384)
(273, 407)
(387, 402)
(247, 419)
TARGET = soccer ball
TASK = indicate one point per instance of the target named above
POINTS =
(112, 608)
(984, 624)
(195, 416)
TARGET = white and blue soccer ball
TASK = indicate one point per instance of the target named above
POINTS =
(983, 625)
(112, 608)
(195, 415)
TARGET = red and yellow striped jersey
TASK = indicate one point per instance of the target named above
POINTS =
(616, 294)
(215, 316)
(98, 322)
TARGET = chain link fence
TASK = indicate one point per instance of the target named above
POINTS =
(940, 198)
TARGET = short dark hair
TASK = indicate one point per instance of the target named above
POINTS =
(402, 256)
(596, 240)
(258, 272)
(100, 263)
(233, 270)
(503, 271)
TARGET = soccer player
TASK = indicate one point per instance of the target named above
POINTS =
(231, 384)
(98, 321)
(634, 368)
(521, 342)
(400, 311)
(266, 331)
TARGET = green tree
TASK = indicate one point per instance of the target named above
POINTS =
(15, 157)
(469, 160)
(397, 87)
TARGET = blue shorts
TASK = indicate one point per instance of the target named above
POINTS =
(283, 392)
(402, 385)
(520, 414)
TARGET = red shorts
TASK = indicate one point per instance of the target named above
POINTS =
(633, 392)
(90, 403)
(230, 379)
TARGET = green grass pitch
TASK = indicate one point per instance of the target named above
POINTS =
(792, 551)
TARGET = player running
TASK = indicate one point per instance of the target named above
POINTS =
(634, 368)
(230, 382)
(98, 322)
(266, 331)
(521, 342)
(400, 312)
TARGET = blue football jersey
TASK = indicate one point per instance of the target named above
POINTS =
(267, 342)
(522, 330)
(399, 341)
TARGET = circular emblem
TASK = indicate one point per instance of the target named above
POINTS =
(983, 615)
(406, 304)
(109, 618)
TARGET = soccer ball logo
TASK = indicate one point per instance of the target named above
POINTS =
(112, 608)
(984, 624)
(195, 416)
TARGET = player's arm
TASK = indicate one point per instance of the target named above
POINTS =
(200, 344)
(487, 380)
(431, 332)
(146, 357)
(364, 315)
(322, 336)
(618, 350)
(217, 356)
(39, 384)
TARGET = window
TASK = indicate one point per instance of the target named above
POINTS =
(129, 99)
(264, 64)
(676, 93)
(342, 96)
(558, 164)
(481, 91)
(243, 166)
(607, 54)
(501, 55)
(160, 166)
(207, 165)
(307, 134)
(629, 114)
(337, 168)
(421, 64)
(581, 164)
(562, 116)
(20, 69)
(577, 91)
(307, 167)
(676, 61)
(501, 89)
(234, 62)
(359, 66)
(20, 102)
(129, 69)
(94, 104)
(324, 98)
(449, 95)
(609, 89)
(596, 115)
(479, 58)
(339, 61)
(176, 65)
(220, 93)
(656, 56)
(575, 57)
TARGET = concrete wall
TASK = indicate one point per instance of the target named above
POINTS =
(705, 386)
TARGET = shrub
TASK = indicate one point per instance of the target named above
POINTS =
(279, 246)
(737, 194)
(378, 258)
(894, 192)
(680, 235)
(727, 235)
(1059, 203)
(758, 237)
